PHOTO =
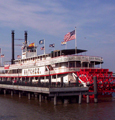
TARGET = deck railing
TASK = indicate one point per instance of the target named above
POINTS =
(58, 59)
(48, 85)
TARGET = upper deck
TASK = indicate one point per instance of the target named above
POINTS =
(55, 57)
(58, 61)
(43, 61)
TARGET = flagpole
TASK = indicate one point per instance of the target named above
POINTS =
(75, 42)
(54, 47)
(1, 57)
(44, 46)
(66, 46)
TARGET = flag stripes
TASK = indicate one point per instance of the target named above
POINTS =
(69, 36)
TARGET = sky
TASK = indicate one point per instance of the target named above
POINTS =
(52, 19)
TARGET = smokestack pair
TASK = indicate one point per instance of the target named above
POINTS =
(12, 60)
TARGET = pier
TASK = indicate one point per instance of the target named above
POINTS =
(56, 91)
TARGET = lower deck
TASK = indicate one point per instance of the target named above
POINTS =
(63, 93)
(68, 90)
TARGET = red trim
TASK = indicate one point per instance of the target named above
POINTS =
(6, 67)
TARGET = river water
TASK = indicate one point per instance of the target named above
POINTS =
(15, 108)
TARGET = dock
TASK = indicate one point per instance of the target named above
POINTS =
(54, 92)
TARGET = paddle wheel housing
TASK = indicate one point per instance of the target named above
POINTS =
(105, 80)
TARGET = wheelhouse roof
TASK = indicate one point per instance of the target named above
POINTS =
(70, 51)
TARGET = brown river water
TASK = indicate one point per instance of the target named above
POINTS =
(15, 108)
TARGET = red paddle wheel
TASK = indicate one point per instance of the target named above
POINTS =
(105, 80)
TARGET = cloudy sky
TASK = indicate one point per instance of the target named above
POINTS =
(52, 19)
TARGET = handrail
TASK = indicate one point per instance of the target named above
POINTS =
(58, 59)
(82, 82)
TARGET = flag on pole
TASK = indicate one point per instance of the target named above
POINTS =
(23, 47)
(42, 48)
(18, 56)
(2, 55)
(31, 45)
(52, 45)
(63, 43)
(41, 41)
(69, 36)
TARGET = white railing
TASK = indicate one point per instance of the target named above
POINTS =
(58, 59)
(76, 58)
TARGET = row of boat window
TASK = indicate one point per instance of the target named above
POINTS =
(39, 58)
(11, 71)
(27, 79)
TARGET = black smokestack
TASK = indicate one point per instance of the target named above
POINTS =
(25, 37)
(12, 60)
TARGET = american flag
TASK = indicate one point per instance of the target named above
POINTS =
(52, 45)
(2, 55)
(18, 56)
(23, 47)
(69, 36)
(42, 48)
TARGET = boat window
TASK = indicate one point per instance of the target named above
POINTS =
(2, 71)
(58, 64)
(19, 70)
(44, 58)
(78, 64)
(31, 49)
(91, 65)
(24, 50)
(72, 64)
(85, 64)
(46, 69)
(53, 76)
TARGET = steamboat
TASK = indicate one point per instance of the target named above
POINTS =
(53, 68)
